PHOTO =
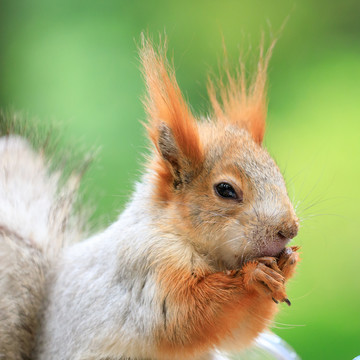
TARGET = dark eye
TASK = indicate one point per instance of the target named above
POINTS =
(225, 190)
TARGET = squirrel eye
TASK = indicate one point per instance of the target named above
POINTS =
(225, 190)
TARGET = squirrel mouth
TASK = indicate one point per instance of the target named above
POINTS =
(273, 253)
(267, 248)
(274, 248)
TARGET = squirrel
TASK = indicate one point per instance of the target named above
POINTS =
(197, 261)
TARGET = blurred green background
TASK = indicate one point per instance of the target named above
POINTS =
(75, 62)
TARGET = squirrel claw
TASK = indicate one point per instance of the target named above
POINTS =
(287, 301)
(275, 301)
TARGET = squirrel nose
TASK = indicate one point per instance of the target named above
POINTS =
(288, 230)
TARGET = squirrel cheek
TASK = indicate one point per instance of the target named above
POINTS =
(236, 245)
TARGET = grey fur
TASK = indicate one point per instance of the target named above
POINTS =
(36, 220)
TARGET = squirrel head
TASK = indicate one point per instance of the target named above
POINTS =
(221, 190)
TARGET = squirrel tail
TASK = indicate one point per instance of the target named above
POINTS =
(36, 220)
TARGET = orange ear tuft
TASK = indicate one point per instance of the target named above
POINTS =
(164, 103)
(242, 102)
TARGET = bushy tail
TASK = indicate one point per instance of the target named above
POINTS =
(35, 222)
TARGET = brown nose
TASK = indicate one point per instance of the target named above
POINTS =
(289, 229)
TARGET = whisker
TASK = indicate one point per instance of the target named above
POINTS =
(325, 214)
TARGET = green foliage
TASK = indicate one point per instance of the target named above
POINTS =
(76, 62)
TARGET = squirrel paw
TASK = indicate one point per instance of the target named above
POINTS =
(287, 261)
(264, 276)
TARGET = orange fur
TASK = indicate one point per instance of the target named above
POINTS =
(204, 307)
(241, 103)
(208, 308)
(165, 103)
(163, 179)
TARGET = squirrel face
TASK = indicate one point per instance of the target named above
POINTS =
(222, 191)
(234, 206)
(259, 220)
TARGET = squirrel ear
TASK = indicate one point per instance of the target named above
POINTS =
(172, 155)
(242, 102)
(171, 126)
